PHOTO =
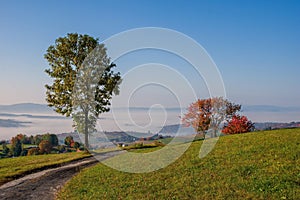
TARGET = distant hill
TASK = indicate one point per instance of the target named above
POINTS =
(114, 136)
(33, 107)
(275, 125)
(26, 108)
(171, 129)
(269, 108)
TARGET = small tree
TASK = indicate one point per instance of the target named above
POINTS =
(45, 147)
(238, 124)
(69, 141)
(37, 139)
(16, 146)
(5, 150)
(209, 113)
(31, 138)
(23, 138)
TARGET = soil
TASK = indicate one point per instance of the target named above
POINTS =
(45, 184)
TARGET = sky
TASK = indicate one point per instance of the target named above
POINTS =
(255, 44)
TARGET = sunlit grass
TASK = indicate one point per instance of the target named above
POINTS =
(259, 165)
(11, 168)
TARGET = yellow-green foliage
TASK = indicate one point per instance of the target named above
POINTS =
(258, 165)
(14, 167)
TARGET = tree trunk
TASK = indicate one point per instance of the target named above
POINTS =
(86, 130)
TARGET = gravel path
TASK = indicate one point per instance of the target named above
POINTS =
(43, 185)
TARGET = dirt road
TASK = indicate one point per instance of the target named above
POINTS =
(43, 185)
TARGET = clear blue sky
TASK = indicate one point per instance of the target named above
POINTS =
(255, 44)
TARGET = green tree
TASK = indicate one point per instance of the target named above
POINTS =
(31, 138)
(52, 138)
(69, 140)
(5, 150)
(82, 60)
(23, 138)
(16, 146)
(37, 139)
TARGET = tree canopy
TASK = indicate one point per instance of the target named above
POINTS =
(83, 80)
(205, 114)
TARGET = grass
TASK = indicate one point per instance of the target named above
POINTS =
(11, 168)
(106, 150)
(258, 165)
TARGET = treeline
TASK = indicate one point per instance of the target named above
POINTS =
(23, 145)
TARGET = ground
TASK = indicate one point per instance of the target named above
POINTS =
(46, 183)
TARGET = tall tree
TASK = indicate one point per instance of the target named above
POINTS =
(84, 80)
(205, 114)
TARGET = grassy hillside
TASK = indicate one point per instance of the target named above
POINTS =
(11, 168)
(258, 165)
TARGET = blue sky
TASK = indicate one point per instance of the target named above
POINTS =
(255, 44)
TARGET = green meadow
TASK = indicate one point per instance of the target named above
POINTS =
(11, 168)
(257, 165)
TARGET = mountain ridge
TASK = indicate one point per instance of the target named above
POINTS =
(26, 107)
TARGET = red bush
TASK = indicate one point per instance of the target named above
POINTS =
(238, 124)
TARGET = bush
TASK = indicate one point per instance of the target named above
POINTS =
(45, 147)
(69, 150)
(81, 148)
(76, 145)
(61, 148)
(5, 150)
(24, 152)
(238, 124)
(158, 143)
(2, 142)
(33, 151)
(69, 140)
(139, 145)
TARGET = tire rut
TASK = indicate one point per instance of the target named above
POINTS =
(45, 184)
